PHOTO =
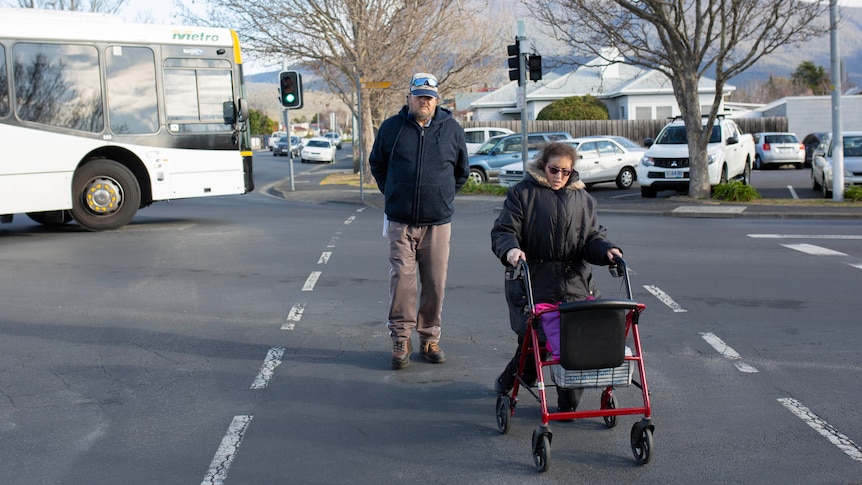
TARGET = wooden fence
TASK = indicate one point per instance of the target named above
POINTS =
(635, 130)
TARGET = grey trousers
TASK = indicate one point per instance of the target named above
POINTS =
(419, 259)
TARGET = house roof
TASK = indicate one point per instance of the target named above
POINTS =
(595, 78)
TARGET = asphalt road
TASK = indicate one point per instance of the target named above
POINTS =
(241, 340)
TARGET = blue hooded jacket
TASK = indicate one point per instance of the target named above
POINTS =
(419, 169)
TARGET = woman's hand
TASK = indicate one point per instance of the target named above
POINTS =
(614, 253)
(514, 255)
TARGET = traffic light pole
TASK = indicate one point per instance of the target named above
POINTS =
(522, 91)
(286, 115)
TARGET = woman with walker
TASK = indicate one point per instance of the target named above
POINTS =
(549, 221)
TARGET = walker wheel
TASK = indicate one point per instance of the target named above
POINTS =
(609, 401)
(504, 412)
(542, 453)
(642, 442)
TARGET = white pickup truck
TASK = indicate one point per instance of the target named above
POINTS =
(665, 165)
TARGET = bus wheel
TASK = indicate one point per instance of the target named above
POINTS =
(105, 195)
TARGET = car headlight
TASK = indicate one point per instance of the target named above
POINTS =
(710, 159)
(647, 162)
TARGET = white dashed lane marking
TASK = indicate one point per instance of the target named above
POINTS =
(294, 316)
(814, 250)
(227, 450)
(848, 237)
(825, 429)
(272, 360)
(311, 281)
(665, 298)
(727, 352)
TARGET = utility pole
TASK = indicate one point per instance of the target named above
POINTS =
(837, 135)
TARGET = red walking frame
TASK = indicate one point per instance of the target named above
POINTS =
(593, 352)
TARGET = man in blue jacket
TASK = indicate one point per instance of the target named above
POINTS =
(419, 160)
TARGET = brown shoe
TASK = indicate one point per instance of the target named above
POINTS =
(401, 354)
(432, 352)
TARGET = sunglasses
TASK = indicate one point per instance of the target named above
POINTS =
(424, 81)
(554, 171)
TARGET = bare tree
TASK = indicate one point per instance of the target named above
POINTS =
(100, 6)
(685, 40)
(373, 40)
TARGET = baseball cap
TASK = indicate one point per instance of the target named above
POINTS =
(424, 84)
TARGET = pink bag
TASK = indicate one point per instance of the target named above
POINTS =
(550, 318)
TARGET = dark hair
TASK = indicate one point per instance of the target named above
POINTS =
(556, 149)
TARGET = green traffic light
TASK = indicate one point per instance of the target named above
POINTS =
(289, 98)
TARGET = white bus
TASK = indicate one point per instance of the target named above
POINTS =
(99, 117)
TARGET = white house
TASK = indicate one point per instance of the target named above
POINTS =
(630, 93)
(810, 114)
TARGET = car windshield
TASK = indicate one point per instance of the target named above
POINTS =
(782, 138)
(318, 143)
(626, 142)
(675, 135)
(853, 146)
(487, 146)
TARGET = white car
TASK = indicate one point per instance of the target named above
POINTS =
(318, 149)
(478, 135)
(600, 159)
(821, 163)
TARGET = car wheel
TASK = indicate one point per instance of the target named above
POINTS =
(815, 185)
(824, 189)
(746, 174)
(477, 175)
(625, 178)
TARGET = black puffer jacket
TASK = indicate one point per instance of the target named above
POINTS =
(418, 169)
(559, 233)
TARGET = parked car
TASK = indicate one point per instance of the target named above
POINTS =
(822, 168)
(318, 149)
(811, 142)
(335, 138)
(502, 150)
(776, 149)
(665, 165)
(600, 159)
(477, 135)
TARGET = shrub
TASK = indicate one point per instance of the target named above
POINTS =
(474, 188)
(575, 108)
(853, 193)
(735, 192)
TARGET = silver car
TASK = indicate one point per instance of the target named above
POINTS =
(600, 159)
(776, 149)
(822, 168)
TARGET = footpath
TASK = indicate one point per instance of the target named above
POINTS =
(330, 186)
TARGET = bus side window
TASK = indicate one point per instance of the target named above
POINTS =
(195, 93)
(132, 101)
(58, 85)
(4, 85)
